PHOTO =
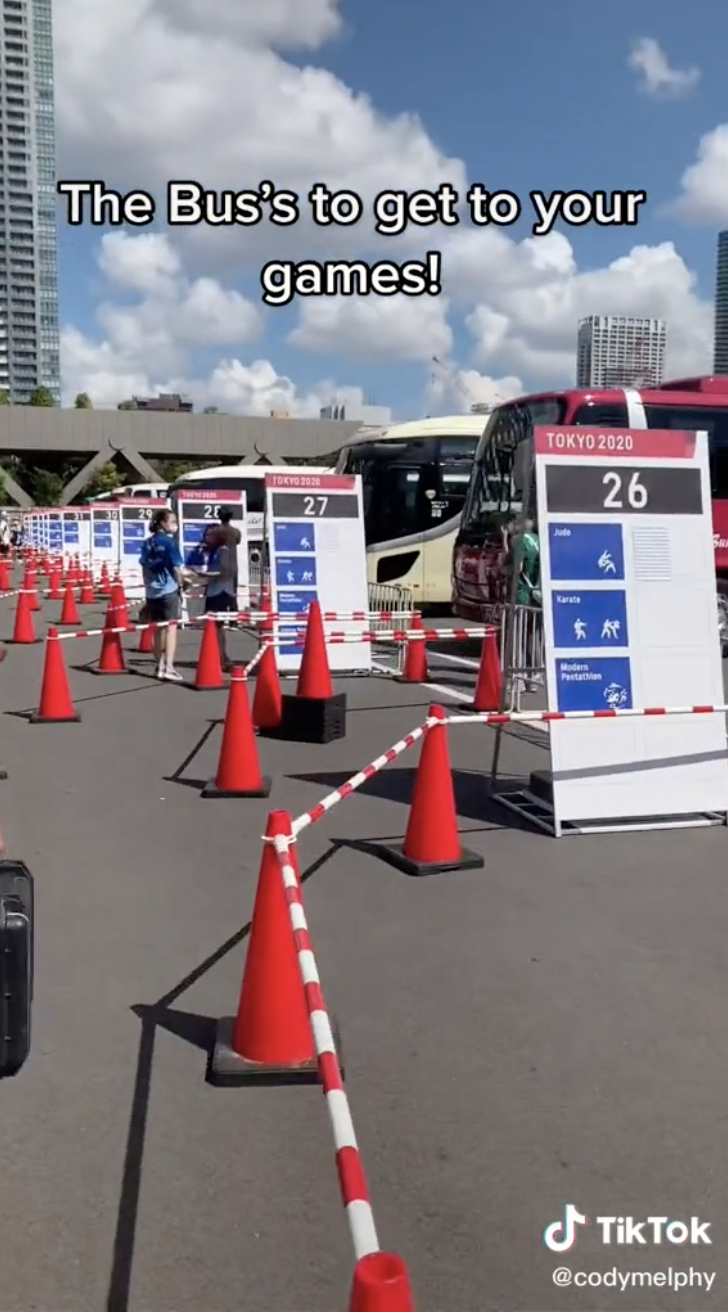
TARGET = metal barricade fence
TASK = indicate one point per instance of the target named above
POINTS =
(397, 602)
(521, 649)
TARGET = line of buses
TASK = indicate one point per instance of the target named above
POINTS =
(437, 492)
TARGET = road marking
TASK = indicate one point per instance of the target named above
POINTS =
(456, 660)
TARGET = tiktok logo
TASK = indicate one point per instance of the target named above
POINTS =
(560, 1236)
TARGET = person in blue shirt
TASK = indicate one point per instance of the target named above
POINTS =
(163, 571)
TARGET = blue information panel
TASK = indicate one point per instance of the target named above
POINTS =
(583, 553)
(294, 537)
(589, 618)
(293, 571)
(295, 603)
(600, 683)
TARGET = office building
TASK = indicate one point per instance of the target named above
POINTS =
(720, 348)
(375, 416)
(29, 336)
(613, 351)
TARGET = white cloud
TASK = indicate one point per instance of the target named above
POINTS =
(148, 346)
(704, 184)
(529, 326)
(159, 89)
(375, 328)
(453, 390)
(657, 76)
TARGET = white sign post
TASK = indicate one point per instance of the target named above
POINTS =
(198, 510)
(76, 525)
(315, 530)
(104, 539)
(630, 622)
(135, 514)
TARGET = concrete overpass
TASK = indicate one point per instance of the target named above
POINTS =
(30, 432)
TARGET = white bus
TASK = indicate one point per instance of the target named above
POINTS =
(251, 480)
(415, 479)
(153, 490)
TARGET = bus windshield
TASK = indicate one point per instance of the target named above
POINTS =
(410, 487)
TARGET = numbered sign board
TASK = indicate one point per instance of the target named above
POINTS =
(135, 514)
(198, 510)
(76, 530)
(104, 538)
(315, 526)
(630, 621)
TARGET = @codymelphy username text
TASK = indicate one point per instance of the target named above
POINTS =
(566, 1278)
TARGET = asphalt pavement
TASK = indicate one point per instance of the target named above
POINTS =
(551, 1029)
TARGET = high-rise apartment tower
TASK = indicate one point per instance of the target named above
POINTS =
(29, 335)
(613, 351)
(720, 347)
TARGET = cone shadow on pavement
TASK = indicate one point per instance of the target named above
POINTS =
(432, 844)
(270, 1040)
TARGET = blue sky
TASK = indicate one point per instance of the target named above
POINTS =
(528, 96)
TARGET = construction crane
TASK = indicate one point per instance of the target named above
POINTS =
(476, 407)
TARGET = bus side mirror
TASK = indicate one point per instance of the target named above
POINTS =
(16, 965)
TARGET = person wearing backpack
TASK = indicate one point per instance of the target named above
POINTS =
(162, 568)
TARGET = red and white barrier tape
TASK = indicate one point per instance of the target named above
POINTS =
(507, 717)
(230, 617)
(395, 635)
(352, 1180)
(526, 717)
(363, 776)
(256, 659)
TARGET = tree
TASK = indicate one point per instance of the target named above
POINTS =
(4, 396)
(127, 405)
(42, 396)
(83, 402)
(104, 480)
(46, 488)
(211, 410)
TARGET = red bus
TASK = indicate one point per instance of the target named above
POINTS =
(493, 499)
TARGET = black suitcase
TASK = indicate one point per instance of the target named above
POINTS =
(16, 965)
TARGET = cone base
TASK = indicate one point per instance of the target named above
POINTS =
(207, 687)
(226, 1069)
(54, 719)
(108, 674)
(393, 854)
(13, 642)
(402, 678)
(311, 719)
(212, 790)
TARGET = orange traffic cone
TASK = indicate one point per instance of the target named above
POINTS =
(271, 1036)
(209, 673)
(69, 613)
(119, 605)
(381, 1284)
(146, 640)
(268, 699)
(31, 586)
(415, 658)
(266, 624)
(56, 705)
(111, 659)
(316, 714)
(104, 581)
(431, 844)
(24, 630)
(314, 676)
(489, 687)
(5, 579)
(87, 597)
(238, 769)
(56, 580)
